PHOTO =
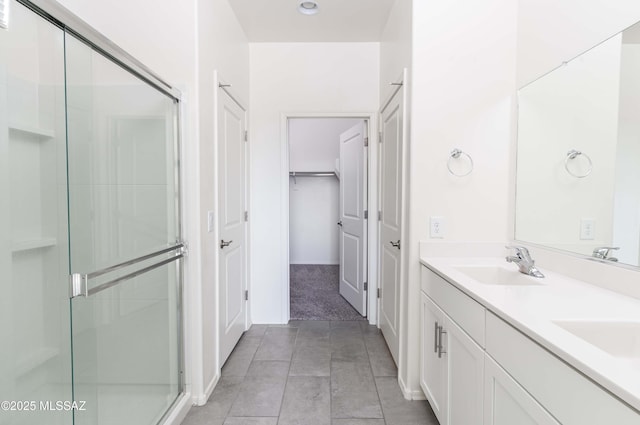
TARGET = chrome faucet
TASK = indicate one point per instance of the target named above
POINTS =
(524, 261)
(602, 252)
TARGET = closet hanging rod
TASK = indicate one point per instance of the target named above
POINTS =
(312, 174)
(295, 174)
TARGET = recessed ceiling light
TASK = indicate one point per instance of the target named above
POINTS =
(308, 7)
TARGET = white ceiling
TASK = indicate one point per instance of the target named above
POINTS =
(337, 20)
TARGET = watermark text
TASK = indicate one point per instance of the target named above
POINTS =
(42, 405)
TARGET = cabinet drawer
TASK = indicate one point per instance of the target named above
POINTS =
(568, 395)
(467, 313)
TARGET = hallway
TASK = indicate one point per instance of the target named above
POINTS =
(310, 372)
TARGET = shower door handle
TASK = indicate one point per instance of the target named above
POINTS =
(223, 243)
(79, 283)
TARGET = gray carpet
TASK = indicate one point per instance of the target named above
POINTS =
(315, 294)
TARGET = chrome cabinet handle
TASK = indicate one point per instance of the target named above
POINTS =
(396, 244)
(440, 345)
(223, 243)
(435, 337)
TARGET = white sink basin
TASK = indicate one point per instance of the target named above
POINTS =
(619, 339)
(496, 275)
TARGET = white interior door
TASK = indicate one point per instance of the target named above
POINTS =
(353, 235)
(231, 222)
(391, 219)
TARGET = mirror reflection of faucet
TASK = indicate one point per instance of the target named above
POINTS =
(523, 260)
(602, 253)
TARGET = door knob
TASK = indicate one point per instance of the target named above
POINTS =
(396, 244)
(223, 243)
(340, 223)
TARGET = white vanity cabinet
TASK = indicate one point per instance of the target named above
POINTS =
(507, 403)
(567, 394)
(433, 370)
(476, 368)
(452, 363)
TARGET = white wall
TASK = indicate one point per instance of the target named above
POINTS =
(313, 214)
(395, 46)
(464, 56)
(314, 143)
(289, 78)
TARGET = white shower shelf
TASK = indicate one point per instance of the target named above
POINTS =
(35, 359)
(30, 244)
(47, 133)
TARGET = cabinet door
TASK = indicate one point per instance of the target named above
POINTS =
(507, 403)
(465, 361)
(433, 369)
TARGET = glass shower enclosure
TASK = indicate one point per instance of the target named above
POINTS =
(90, 242)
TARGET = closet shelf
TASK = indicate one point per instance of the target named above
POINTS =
(34, 131)
(26, 245)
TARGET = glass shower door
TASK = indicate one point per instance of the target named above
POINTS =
(35, 358)
(125, 254)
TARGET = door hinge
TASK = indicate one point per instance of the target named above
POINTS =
(366, 286)
(379, 215)
(77, 285)
(379, 293)
(380, 137)
(366, 142)
(246, 295)
(246, 216)
(246, 135)
(366, 214)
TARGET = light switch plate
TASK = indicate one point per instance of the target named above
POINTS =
(587, 229)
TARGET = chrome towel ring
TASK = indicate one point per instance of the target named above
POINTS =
(456, 154)
(573, 154)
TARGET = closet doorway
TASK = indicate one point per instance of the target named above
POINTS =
(328, 209)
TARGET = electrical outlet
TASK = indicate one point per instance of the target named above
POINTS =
(437, 227)
(587, 229)
(210, 221)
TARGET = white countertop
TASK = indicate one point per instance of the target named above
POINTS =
(533, 309)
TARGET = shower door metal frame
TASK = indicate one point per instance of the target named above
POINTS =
(71, 24)
(64, 19)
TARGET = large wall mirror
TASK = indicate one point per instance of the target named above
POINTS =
(578, 167)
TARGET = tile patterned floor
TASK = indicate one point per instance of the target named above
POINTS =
(310, 373)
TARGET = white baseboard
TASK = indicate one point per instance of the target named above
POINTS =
(202, 400)
(179, 412)
(314, 263)
(408, 393)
